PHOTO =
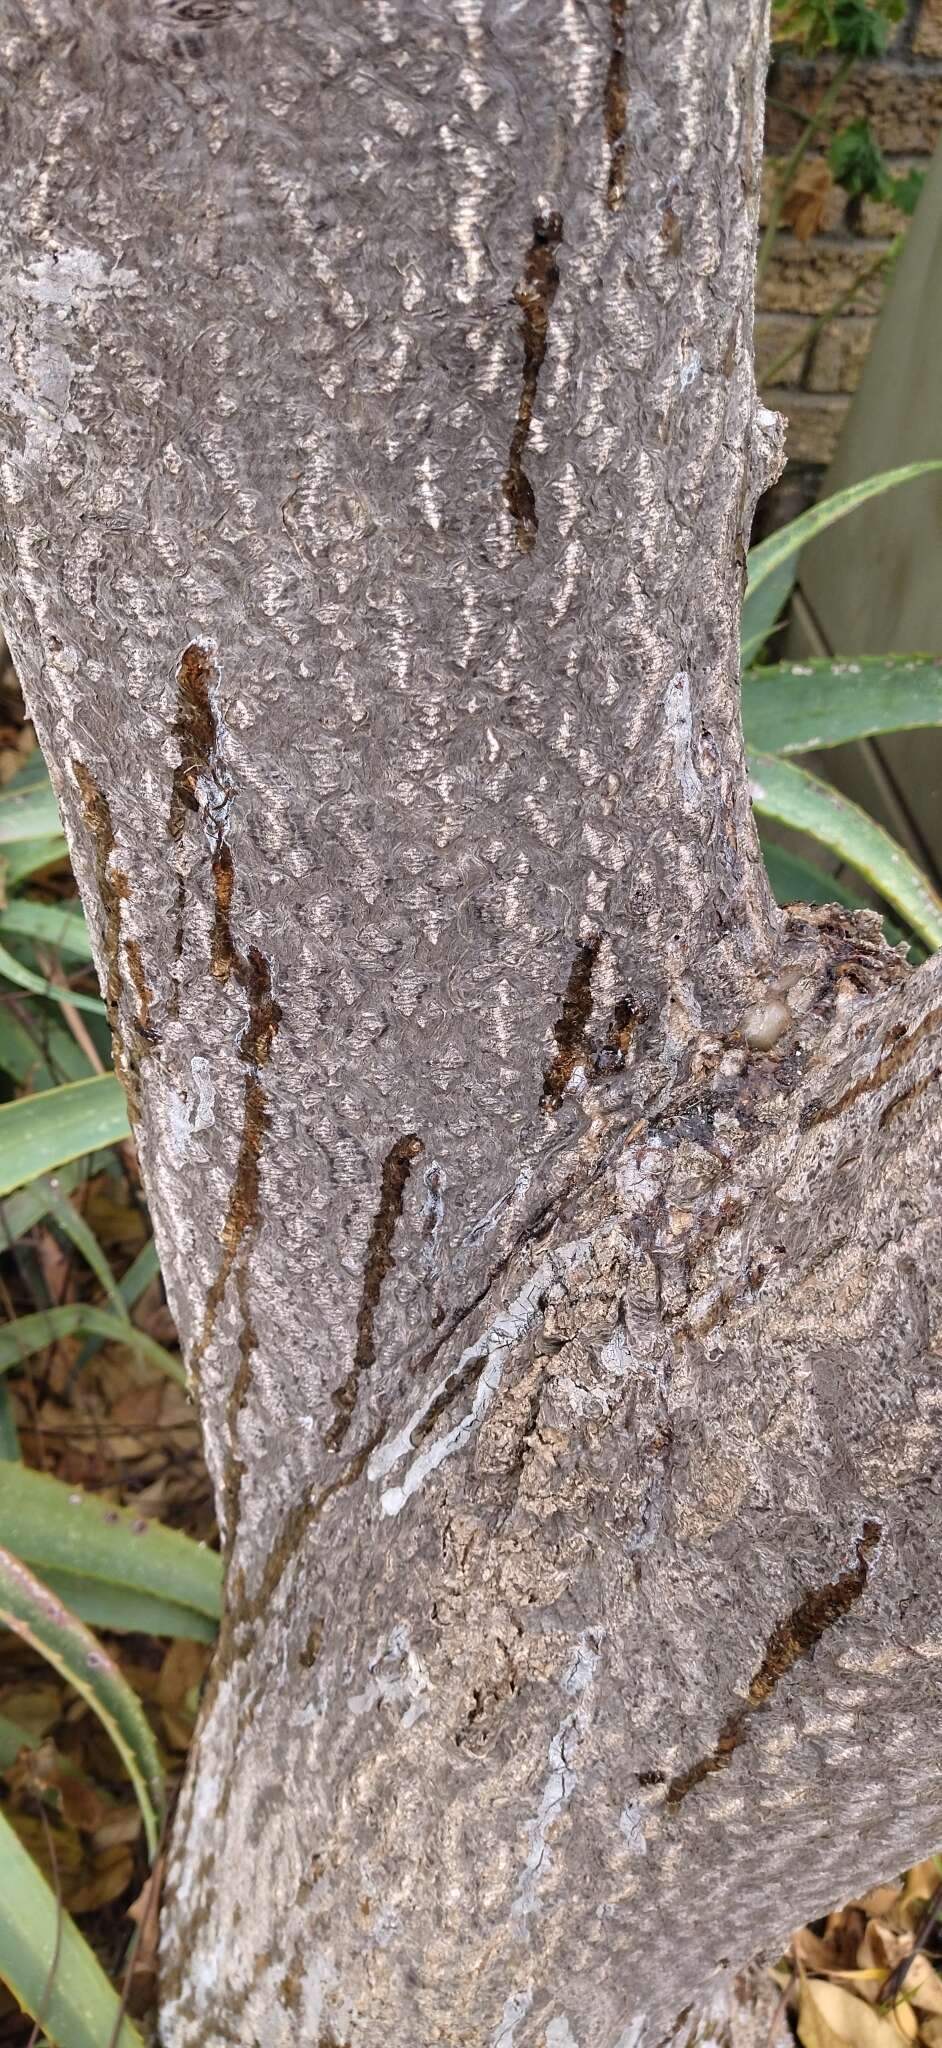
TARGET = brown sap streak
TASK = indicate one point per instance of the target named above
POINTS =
(143, 992)
(571, 1027)
(616, 109)
(534, 297)
(790, 1641)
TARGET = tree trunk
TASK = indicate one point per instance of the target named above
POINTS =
(549, 1222)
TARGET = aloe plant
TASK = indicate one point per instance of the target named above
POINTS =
(792, 708)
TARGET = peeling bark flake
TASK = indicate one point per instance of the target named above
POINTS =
(791, 1640)
(616, 109)
(397, 1167)
(534, 297)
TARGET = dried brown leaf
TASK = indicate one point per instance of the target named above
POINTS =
(881, 1902)
(121, 1824)
(830, 2012)
(815, 1954)
(919, 1884)
(108, 1874)
(923, 1986)
(805, 203)
(882, 1946)
(145, 1910)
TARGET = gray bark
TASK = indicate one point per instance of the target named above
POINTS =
(550, 1223)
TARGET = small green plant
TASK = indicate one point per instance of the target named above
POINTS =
(791, 708)
(70, 1562)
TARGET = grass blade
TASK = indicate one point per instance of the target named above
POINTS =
(76, 2006)
(797, 706)
(42, 1132)
(795, 798)
(59, 1529)
(28, 1334)
(34, 1613)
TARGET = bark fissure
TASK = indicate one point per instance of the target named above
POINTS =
(792, 1639)
(896, 1057)
(245, 1608)
(898, 1104)
(535, 298)
(394, 1179)
(616, 108)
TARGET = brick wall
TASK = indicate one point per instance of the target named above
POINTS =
(901, 96)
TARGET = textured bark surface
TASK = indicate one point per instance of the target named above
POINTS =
(548, 1221)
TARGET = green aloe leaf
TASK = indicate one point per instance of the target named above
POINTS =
(130, 1288)
(60, 926)
(74, 2002)
(798, 881)
(32, 1610)
(28, 1206)
(37, 1050)
(64, 1535)
(122, 1608)
(30, 813)
(28, 857)
(772, 564)
(42, 1132)
(37, 985)
(789, 794)
(28, 1334)
(9, 1438)
(800, 705)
